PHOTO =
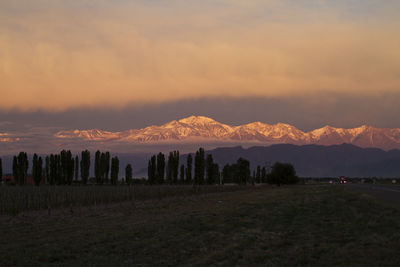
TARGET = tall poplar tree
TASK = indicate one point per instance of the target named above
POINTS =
(59, 173)
(107, 167)
(85, 166)
(114, 170)
(199, 165)
(160, 168)
(103, 168)
(62, 171)
(66, 171)
(37, 169)
(97, 166)
(47, 169)
(52, 170)
(189, 162)
(128, 174)
(170, 166)
(22, 166)
(1, 170)
(15, 170)
(36, 180)
(182, 174)
(210, 169)
(71, 168)
(175, 166)
(76, 168)
(151, 170)
(40, 169)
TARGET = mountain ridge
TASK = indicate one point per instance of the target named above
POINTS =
(316, 160)
(201, 128)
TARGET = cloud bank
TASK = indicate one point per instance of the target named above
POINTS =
(57, 55)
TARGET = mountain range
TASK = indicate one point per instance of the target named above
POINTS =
(200, 129)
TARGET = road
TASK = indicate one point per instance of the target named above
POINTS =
(387, 193)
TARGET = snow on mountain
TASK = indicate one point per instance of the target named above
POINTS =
(259, 131)
(89, 135)
(200, 128)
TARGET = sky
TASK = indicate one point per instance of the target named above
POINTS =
(122, 64)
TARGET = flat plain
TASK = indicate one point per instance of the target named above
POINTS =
(303, 225)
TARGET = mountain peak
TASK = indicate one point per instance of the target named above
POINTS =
(327, 129)
(197, 120)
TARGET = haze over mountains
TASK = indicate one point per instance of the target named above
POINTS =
(200, 129)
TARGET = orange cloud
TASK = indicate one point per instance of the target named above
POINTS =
(66, 55)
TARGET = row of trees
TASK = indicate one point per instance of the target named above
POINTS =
(279, 173)
(238, 172)
(203, 168)
(172, 167)
(63, 168)
(206, 171)
(20, 168)
(59, 168)
(102, 168)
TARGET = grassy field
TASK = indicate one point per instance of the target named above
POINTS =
(317, 225)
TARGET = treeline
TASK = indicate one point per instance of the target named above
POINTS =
(206, 171)
(160, 171)
(63, 168)
(279, 173)
(102, 168)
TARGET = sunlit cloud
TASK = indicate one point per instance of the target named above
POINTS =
(6, 137)
(56, 55)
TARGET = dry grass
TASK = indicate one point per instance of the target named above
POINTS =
(17, 199)
(270, 226)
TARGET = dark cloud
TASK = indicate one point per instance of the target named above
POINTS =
(306, 112)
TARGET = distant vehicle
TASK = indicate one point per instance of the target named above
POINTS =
(342, 180)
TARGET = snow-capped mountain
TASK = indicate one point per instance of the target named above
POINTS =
(203, 129)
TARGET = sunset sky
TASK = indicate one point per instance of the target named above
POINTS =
(127, 64)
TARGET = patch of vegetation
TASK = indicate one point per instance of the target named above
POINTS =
(282, 173)
(268, 226)
(17, 199)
